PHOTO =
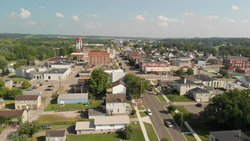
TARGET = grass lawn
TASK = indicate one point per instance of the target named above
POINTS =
(140, 108)
(143, 114)
(56, 117)
(217, 47)
(151, 132)
(190, 137)
(53, 106)
(155, 91)
(137, 134)
(40, 138)
(177, 98)
(43, 99)
(56, 127)
(133, 116)
(19, 79)
(138, 100)
(161, 98)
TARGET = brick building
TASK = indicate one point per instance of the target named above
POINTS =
(232, 62)
(95, 58)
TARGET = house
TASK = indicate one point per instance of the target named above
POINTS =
(92, 113)
(33, 62)
(32, 102)
(241, 70)
(85, 127)
(116, 74)
(16, 115)
(216, 62)
(245, 80)
(155, 67)
(98, 58)
(232, 135)
(201, 63)
(232, 62)
(72, 98)
(57, 74)
(118, 87)
(182, 86)
(200, 95)
(55, 135)
(210, 81)
(115, 103)
(8, 83)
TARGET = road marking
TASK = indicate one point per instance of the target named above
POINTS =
(164, 125)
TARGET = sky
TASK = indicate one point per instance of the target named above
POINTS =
(130, 18)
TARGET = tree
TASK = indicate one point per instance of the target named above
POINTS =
(165, 139)
(29, 128)
(179, 72)
(11, 94)
(99, 81)
(120, 64)
(171, 108)
(17, 137)
(224, 52)
(125, 43)
(25, 84)
(190, 71)
(225, 74)
(128, 132)
(75, 58)
(3, 63)
(230, 109)
(3, 89)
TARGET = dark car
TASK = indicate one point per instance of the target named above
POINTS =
(40, 84)
(46, 126)
(15, 82)
(199, 105)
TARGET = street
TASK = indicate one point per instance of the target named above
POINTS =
(159, 116)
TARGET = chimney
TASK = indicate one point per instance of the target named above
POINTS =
(185, 80)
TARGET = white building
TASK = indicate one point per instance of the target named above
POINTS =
(57, 74)
(115, 104)
(116, 74)
(118, 87)
(61, 64)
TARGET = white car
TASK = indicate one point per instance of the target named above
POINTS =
(169, 124)
(149, 112)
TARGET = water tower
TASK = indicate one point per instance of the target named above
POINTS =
(78, 43)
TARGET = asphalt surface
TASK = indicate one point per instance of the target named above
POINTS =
(159, 116)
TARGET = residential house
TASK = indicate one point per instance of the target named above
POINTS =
(72, 98)
(182, 86)
(115, 104)
(55, 135)
(232, 62)
(8, 83)
(231, 135)
(31, 102)
(216, 62)
(184, 59)
(180, 63)
(200, 95)
(82, 86)
(201, 63)
(155, 67)
(116, 75)
(92, 113)
(118, 87)
(245, 80)
(57, 74)
(16, 115)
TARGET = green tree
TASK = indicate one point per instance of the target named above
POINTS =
(225, 52)
(11, 94)
(75, 58)
(190, 71)
(125, 43)
(165, 139)
(17, 137)
(25, 84)
(120, 64)
(3, 89)
(29, 128)
(128, 132)
(3, 63)
(171, 108)
(225, 74)
(230, 109)
(179, 72)
(99, 81)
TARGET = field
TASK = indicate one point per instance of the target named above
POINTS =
(177, 98)
(217, 47)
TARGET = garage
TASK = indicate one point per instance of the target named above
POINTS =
(198, 99)
(92, 113)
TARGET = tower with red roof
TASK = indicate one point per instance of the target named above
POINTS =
(78, 43)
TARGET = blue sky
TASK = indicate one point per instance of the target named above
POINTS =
(136, 18)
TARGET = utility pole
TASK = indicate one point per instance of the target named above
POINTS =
(82, 98)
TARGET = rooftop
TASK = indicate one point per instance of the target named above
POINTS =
(182, 81)
(204, 77)
(55, 70)
(237, 57)
(111, 120)
(56, 59)
(11, 113)
(115, 98)
(73, 96)
(199, 90)
(89, 125)
(190, 77)
(233, 135)
(55, 133)
(98, 53)
(96, 112)
(118, 82)
(26, 97)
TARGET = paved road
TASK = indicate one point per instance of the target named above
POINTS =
(159, 115)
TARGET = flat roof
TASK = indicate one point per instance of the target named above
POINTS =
(88, 125)
(54, 70)
(233, 135)
(111, 120)
(73, 96)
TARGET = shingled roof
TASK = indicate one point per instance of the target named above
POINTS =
(26, 97)
(11, 113)
(118, 82)
(115, 98)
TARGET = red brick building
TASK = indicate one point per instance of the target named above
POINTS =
(95, 58)
(232, 62)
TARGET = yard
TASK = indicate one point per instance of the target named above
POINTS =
(133, 116)
(161, 98)
(143, 114)
(9, 104)
(178, 98)
(40, 138)
(140, 108)
(151, 132)
(43, 99)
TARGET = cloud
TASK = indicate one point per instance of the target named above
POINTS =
(59, 15)
(41, 7)
(230, 20)
(188, 14)
(44, 24)
(245, 21)
(30, 23)
(162, 18)
(75, 18)
(248, 9)
(94, 15)
(139, 18)
(182, 21)
(235, 7)
(152, 19)
(91, 25)
(13, 23)
(164, 25)
(60, 25)
(146, 12)
(206, 25)
(13, 15)
(25, 14)
(106, 16)
(210, 17)
(1, 24)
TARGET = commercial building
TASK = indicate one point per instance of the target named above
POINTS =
(98, 58)
(232, 62)
(57, 74)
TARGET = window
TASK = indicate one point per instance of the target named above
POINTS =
(112, 125)
(111, 110)
(117, 110)
(34, 100)
(113, 104)
(24, 101)
(28, 100)
(18, 101)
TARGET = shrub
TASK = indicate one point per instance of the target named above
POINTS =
(171, 108)
(133, 112)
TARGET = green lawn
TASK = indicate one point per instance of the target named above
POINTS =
(151, 132)
(190, 137)
(217, 47)
(143, 114)
(140, 108)
(19, 79)
(137, 134)
(56, 127)
(178, 98)
(133, 116)
(161, 98)
(40, 138)
(154, 90)
(43, 99)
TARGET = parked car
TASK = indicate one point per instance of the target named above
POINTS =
(169, 124)
(15, 82)
(46, 126)
(92, 66)
(30, 89)
(40, 84)
(46, 80)
(198, 105)
(149, 112)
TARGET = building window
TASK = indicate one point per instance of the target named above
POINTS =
(28, 100)
(34, 101)
(112, 125)
(18, 101)
(117, 110)
(24, 101)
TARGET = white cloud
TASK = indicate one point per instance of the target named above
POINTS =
(210, 17)
(174, 25)
(44, 24)
(162, 18)
(41, 7)
(139, 18)
(188, 14)
(235, 7)
(182, 21)
(248, 9)
(1, 24)
(146, 13)
(30, 23)
(25, 14)
(106, 16)
(230, 20)
(75, 18)
(59, 15)
(164, 25)
(245, 21)
(60, 25)
(13, 15)
(91, 25)
(94, 15)
(13, 23)
(152, 19)
(205, 25)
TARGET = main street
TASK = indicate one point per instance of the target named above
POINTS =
(159, 116)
